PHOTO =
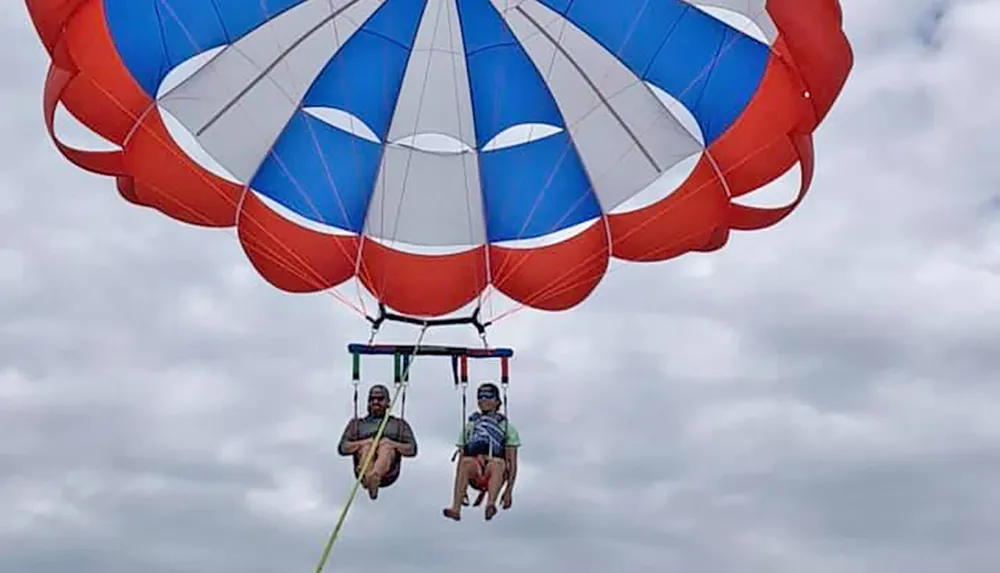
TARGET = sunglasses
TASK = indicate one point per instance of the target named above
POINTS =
(486, 397)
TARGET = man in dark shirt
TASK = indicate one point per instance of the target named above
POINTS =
(397, 442)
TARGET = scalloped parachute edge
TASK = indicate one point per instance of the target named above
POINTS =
(808, 67)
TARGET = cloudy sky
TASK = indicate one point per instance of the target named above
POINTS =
(818, 398)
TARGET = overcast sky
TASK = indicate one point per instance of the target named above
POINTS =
(822, 397)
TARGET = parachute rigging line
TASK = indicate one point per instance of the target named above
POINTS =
(369, 458)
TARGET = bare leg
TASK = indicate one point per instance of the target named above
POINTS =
(384, 457)
(496, 467)
(362, 454)
(465, 471)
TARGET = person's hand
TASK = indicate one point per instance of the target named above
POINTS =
(507, 500)
(359, 445)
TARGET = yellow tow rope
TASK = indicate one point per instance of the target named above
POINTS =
(368, 459)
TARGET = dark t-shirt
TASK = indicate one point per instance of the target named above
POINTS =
(396, 429)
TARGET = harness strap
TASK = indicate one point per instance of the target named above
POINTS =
(465, 408)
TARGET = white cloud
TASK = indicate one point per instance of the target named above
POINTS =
(816, 398)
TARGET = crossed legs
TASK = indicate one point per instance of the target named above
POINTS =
(385, 456)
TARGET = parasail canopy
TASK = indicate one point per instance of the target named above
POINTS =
(435, 148)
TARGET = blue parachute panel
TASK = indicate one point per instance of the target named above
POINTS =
(321, 173)
(397, 20)
(710, 67)
(240, 17)
(506, 87)
(155, 36)
(730, 86)
(365, 77)
(535, 189)
(633, 30)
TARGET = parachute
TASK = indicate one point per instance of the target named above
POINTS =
(433, 149)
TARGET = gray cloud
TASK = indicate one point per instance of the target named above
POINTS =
(817, 398)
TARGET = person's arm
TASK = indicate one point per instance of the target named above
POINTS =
(408, 447)
(510, 453)
(462, 433)
(348, 447)
(460, 443)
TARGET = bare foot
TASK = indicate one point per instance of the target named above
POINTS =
(491, 510)
(372, 486)
(452, 514)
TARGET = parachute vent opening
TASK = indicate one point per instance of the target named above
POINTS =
(434, 143)
(550, 238)
(186, 141)
(736, 20)
(414, 249)
(680, 112)
(520, 134)
(74, 133)
(343, 121)
(185, 70)
(778, 193)
(662, 188)
(182, 136)
(297, 219)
